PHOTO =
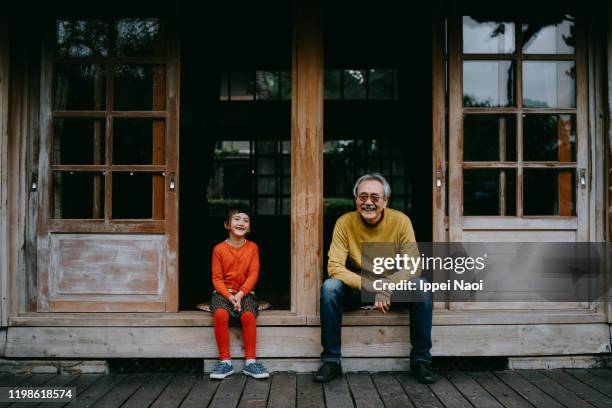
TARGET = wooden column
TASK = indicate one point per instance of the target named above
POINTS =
(609, 121)
(4, 108)
(307, 157)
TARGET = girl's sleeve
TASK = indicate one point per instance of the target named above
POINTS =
(217, 275)
(252, 273)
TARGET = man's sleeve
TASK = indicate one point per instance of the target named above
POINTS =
(336, 264)
(407, 245)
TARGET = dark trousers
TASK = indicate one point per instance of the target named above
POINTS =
(335, 295)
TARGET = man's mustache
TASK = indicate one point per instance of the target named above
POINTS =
(368, 207)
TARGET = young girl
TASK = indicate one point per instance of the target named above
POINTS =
(235, 269)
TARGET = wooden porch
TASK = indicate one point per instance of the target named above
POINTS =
(522, 388)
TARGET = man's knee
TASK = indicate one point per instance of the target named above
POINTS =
(331, 289)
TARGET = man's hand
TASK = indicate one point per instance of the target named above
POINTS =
(382, 302)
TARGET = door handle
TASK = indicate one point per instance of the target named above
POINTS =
(172, 181)
(582, 178)
(438, 180)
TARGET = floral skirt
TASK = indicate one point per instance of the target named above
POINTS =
(249, 303)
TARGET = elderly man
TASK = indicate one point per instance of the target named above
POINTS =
(372, 221)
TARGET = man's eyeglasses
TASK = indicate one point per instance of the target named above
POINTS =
(363, 197)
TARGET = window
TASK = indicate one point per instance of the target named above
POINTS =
(519, 115)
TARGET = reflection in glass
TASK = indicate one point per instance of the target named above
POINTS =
(355, 83)
(139, 87)
(241, 85)
(77, 195)
(381, 84)
(332, 80)
(489, 138)
(139, 37)
(549, 84)
(549, 192)
(549, 138)
(79, 87)
(347, 159)
(489, 192)
(78, 141)
(137, 141)
(549, 34)
(487, 35)
(133, 194)
(81, 38)
(488, 83)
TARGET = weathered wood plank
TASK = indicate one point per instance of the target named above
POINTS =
(92, 394)
(283, 391)
(35, 380)
(121, 391)
(420, 395)
(201, 394)
(81, 383)
(255, 393)
(390, 391)
(229, 391)
(149, 391)
(337, 393)
(554, 389)
(601, 385)
(448, 394)
(57, 381)
(527, 390)
(474, 392)
(500, 391)
(363, 390)
(604, 373)
(582, 390)
(175, 392)
(309, 393)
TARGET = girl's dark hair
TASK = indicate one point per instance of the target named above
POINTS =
(233, 211)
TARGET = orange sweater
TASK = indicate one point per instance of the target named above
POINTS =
(235, 268)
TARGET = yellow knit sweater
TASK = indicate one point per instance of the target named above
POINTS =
(351, 231)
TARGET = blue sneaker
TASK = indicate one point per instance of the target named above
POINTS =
(221, 370)
(256, 370)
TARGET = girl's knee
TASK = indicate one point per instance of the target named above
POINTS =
(221, 315)
(247, 317)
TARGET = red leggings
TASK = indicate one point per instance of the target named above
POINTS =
(249, 333)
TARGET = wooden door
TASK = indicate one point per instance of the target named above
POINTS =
(518, 141)
(108, 169)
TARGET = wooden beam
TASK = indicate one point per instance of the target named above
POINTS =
(4, 108)
(306, 157)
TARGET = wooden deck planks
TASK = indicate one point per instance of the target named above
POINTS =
(283, 391)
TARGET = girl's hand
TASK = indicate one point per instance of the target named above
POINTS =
(234, 301)
(238, 296)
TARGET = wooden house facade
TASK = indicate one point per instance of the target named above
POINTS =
(127, 130)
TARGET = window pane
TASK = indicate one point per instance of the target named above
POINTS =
(267, 85)
(224, 95)
(81, 38)
(549, 138)
(266, 185)
(489, 192)
(133, 196)
(332, 83)
(241, 85)
(381, 84)
(549, 192)
(79, 87)
(549, 34)
(487, 35)
(266, 206)
(138, 141)
(140, 87)
(549, 84)
(285, 84)
(78, 195)
(78, 141)
(266, 165)
(355, 84)
(139, 37)
(489, 138)
(488, 83)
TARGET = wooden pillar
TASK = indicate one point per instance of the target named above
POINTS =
(4, 108)
(307, 156)
(609, 119)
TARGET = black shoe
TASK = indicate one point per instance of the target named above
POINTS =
(328, 372)
(422, 372)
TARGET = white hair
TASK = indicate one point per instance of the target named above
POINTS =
(373, 176)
